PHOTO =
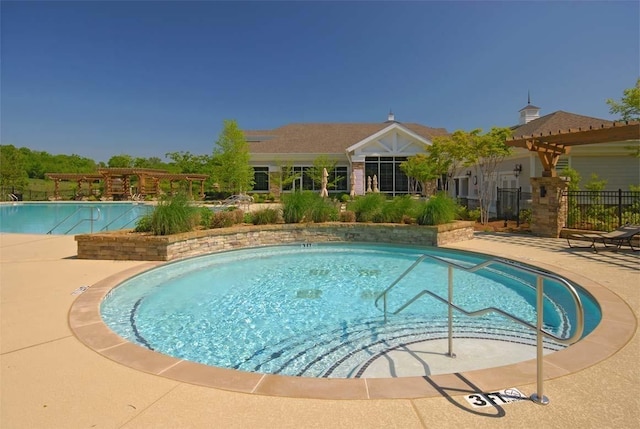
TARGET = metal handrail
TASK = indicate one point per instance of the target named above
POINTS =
(106, 227)
(80, 221)
(537, 397)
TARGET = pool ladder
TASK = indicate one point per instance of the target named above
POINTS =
(89, 219)
(106, 227)
(537, 397)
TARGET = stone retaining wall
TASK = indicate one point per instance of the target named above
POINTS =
(125, 245)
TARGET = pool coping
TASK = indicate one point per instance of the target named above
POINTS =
(615, 330)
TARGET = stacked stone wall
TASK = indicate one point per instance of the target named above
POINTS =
(141, 247)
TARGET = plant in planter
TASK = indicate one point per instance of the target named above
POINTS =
(171, 216)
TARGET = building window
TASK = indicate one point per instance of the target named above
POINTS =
(261, 179)
(391, 179)
(304, 181)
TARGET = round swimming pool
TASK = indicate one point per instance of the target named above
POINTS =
(310, 310)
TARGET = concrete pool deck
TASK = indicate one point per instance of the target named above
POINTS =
(49, 379)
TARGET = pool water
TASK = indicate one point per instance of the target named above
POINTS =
(68, 217)
(309, 310)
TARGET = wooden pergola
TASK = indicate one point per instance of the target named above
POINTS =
(117, 181)
(550, 146)
(90, 179)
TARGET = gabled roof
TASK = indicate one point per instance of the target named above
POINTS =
(329, 138)
(557, 121)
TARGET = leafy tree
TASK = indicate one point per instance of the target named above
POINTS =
(595, 183)
(450, 152)
(422, 170)
(186, 162)
(485, 152)
(13, 174)
(574, 178)
(153, 163)
(121, 161)
(287, 176)
(231, 160)
(315, 172)
(629, 106)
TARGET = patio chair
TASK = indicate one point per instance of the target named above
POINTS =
(619, 237)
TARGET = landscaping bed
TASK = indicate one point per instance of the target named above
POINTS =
(129, 245)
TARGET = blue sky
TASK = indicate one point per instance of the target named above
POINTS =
(145, 78)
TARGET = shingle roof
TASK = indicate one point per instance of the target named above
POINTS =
(555, 122)
(326, 138)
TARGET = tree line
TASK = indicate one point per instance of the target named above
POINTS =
(228, 165)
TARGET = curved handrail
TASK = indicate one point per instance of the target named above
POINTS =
(537, 397)
(91, 219)
(79, 222)
(574, 294)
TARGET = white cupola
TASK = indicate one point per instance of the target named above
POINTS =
(529, 112)
(391, 117)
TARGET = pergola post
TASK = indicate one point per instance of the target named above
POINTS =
(549, 206)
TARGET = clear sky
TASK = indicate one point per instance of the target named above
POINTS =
(147, 77)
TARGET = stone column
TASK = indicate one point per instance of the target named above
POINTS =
(548, 206)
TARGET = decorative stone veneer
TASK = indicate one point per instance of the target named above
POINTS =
(125, 245)
(549, 206)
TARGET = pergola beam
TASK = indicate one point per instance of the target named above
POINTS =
(550, 146)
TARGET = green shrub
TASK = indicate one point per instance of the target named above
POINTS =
(347, 216)
(525, 216)
(323, 210)
(297, 206)
(247, 217)
(265, 216)
(205, 215)
(398, 208)
(466, 214)
(366, 207)
(173, 216)
(144, 223)
(437, 210)
(344, 198)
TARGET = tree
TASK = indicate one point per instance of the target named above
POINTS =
(287, 176)
(13, 173)
(422, 170)
(450, 152)
(120, 161)
(629, 105)
(485, 152)
(230, 160)
(185, 162)
(315, 172)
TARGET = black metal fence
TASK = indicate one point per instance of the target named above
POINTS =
(513, 204)
(602, 210)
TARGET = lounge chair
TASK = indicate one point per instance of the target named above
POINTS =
(619, 237)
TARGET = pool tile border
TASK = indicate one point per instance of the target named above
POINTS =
(615, 330)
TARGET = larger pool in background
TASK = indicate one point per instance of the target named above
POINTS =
(309, 310)
(69, 217)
